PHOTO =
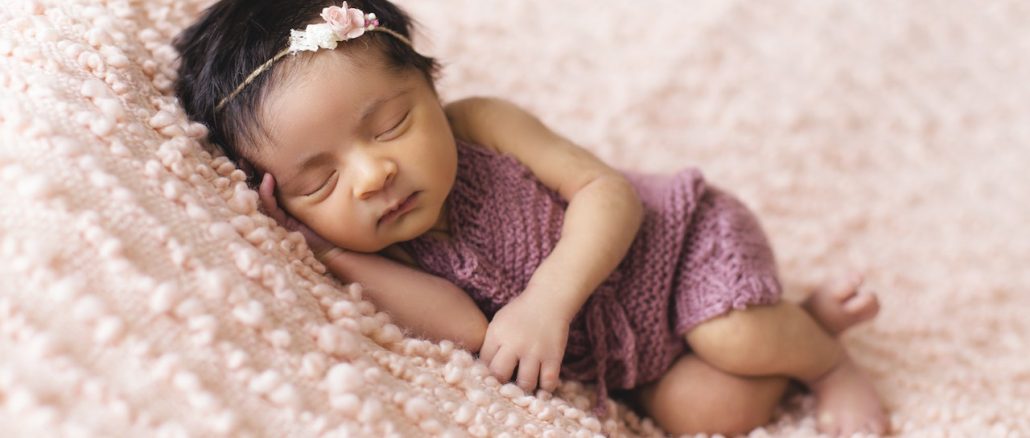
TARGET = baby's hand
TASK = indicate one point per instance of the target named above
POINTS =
(318, 245)
(531, 334)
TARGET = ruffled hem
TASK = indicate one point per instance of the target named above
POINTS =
(756, 290)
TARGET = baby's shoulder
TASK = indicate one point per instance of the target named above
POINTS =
(485, 122)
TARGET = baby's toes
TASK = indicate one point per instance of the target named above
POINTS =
(866, 429)
(863, 306)
(846, 289)
(873, 308)
(859, 303)
(848, 427)
(861, 427)
(877, 427)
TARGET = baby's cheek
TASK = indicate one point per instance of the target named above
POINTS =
(349, 232)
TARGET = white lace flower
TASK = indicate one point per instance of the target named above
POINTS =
(312, 38)
(341, 24)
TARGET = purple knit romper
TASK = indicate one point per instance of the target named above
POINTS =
(698, 254)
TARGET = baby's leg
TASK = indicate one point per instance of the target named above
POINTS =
(783, 339)
(695, 397)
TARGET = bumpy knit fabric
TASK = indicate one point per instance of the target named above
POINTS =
(698, 254)
(137, 300)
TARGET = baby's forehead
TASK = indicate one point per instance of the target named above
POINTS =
(366, 63)
(328, 100)
(330, 81)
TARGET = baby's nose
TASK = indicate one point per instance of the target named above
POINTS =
(376, 176)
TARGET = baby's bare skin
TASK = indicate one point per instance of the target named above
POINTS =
(738, 359)
(838, 308)
(847, 401)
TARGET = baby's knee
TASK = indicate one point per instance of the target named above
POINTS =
(728, 418)
(695, 397)
(737, 342)
(730, 423)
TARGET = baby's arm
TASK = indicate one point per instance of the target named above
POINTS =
(604, 211)
(602, 218)
(429, 306)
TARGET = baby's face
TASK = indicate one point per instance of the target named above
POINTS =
(353, 140)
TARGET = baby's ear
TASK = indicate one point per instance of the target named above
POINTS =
(253, 180)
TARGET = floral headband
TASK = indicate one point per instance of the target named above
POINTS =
(341, 24)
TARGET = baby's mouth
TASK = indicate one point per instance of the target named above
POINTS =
(398, 209)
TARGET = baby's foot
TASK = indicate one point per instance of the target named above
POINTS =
(847, 402)
(843, 306)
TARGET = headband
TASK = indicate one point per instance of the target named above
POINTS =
(341, 24)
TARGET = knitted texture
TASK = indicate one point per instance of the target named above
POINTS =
(147, 296)
(699, 253)
(137, 300)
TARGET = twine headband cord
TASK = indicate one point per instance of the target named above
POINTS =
(341, 24)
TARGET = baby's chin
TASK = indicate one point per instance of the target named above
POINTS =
(411, 226)
(396, 236)
(367, 247)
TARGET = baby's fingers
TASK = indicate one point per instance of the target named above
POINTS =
(549, 371)
(503, 364)
(490, 346)
(528, 369)
(266, 191)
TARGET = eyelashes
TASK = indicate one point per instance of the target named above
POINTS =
(322, 186)
(395, 126)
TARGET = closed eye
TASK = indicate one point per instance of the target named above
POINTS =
(324, 184)
(394, 127)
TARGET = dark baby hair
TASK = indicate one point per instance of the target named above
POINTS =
(234, 37)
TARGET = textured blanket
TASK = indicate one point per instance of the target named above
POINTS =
(143, 294)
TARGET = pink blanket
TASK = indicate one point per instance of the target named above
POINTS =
(142, 293)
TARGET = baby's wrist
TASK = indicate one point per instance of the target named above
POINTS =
(327, 255)
(557, 295)
(549, 303)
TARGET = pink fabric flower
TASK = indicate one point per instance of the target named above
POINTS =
(346, 22)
